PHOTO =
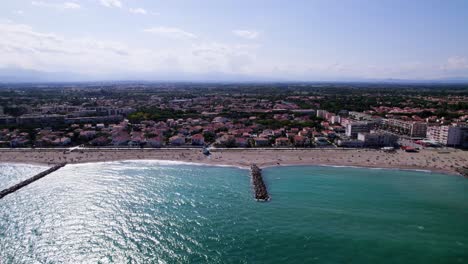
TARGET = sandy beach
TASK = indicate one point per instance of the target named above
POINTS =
(433, 160)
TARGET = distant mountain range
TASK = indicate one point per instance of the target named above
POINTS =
(15, 75)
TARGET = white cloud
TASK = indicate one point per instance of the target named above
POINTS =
(456, 63)
(247, 34)
(23, 47)
(111, 3)
(138, 11)
(170, 32)
(18, 12)
(71, 5)
(220, 57)
(60, 6)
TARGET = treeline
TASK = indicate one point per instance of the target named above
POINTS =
(158, 114)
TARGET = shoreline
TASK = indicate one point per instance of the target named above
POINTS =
(174, 162)
(426, 160)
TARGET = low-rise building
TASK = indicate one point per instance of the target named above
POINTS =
(155, 142)
(198, 140)
(300, 141)
(321, 141)
(7, 120)
(261, 142)
(282, 142)
(350, 143)
(177, 140)
(241, 142)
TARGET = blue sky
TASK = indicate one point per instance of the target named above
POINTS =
(265, 39)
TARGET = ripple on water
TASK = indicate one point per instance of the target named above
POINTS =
(12, 173)
(145, 212)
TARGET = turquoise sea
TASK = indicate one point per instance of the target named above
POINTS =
(152, 212)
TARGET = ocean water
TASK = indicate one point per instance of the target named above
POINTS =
(12, 173)
(150, 212)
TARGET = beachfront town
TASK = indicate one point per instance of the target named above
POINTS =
(95, 117)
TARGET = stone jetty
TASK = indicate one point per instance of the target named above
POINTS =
(260, 190)
(26, 182)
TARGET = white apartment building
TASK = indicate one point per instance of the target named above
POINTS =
(410, 128)
(353, 128)
(322, 113)
(452, 135)
(334, 119)
(379, 139)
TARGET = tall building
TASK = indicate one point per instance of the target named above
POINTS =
(410, 128)
(452, 135)
(353, 128)
(322, 113)
(335, 119)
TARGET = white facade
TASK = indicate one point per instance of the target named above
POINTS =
(335, 119)
(322, 113)
(411, 128)
(378, 139)
(354, 128)
(448, 135)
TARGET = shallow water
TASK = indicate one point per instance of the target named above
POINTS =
(140, 212)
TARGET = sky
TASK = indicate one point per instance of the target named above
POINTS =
(301, 40)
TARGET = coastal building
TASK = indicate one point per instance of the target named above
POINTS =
(378, 139)
(343, 113)
(449, 135)
(220, 119)
(120, 139)
(344, 121)
(261, 142)
(353, 128)
(177, 140)
(226, 140)
(87, 134)
(360, 116)
(19, 142)
(7, 120)
(300, 141)
(100, 141)
(349, 143)
(94, 119)
(322, 113)
(241, 142)
(61, 141)
(321, 141)
(154, 142)
(410, 128)
(43, 120)
(335, 119)
(198, 140)
(282, 142)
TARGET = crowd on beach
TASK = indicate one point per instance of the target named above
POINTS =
(426, 159)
